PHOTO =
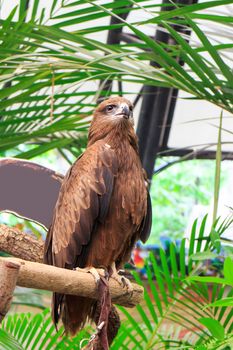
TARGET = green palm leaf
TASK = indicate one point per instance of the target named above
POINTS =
(45, 67)
(171, 301)
(28, 331)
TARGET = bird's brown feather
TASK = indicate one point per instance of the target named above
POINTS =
(101, 211)
(83, 200)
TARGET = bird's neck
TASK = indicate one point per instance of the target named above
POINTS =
(119, 135)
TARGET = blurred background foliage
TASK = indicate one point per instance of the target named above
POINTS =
(53, 58)
(175, 191)
(180, 310)
(53, 63)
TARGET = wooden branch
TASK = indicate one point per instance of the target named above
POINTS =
(20, 244)
(55, 279)
(33, 274)
(9, 272)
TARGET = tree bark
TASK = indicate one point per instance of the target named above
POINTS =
(8, 277)
(55, 279)
(33, 274)
(20, 244)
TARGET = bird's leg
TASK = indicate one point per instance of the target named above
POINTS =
(112, 329)
(96, 273)
(122, 280)
(105, 307)
(99, 339)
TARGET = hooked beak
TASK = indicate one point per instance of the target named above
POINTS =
(124, 111)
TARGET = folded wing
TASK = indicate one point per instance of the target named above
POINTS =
(82, 204)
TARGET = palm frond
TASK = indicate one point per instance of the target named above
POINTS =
(36, 332)
(51, 67)
(174, 300)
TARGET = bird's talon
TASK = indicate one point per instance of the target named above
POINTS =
(127, 284)
(124, 282)
(96, 273)
(106, 274)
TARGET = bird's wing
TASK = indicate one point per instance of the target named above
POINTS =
(146, 224)
(82, 203)
(28, 190)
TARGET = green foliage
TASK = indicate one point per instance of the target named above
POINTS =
(227, 271)
(51, 66)
(36, 332)
(35, 298)
(45, 103)
(175, 191)
(216, 329)
(179, 310)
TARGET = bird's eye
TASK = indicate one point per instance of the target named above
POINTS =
(130, 108)
(109, 108)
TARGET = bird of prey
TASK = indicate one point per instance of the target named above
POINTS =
(103, 207)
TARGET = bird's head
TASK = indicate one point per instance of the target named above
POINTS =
(115, 109)
(112, 117)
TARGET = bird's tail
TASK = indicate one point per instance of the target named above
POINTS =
(74, 311)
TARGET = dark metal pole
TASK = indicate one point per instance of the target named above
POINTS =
(157, 109)
(114, 37)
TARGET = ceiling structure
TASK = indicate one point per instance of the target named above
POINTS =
(157, 126)
(158, 106)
